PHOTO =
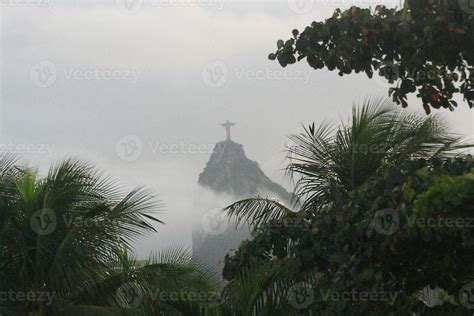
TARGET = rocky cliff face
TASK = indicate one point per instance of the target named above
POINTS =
(230, 171)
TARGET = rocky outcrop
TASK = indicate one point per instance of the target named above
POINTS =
(230, 171)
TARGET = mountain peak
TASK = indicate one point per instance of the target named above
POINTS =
(230, 171)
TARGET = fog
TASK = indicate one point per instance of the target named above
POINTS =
(87, 79)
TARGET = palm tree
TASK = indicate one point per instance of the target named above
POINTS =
(168, 283)
(65, 241)
(327, 163)
(268, 288)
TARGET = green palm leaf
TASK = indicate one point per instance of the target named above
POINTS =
(88, 219)
(257, 211)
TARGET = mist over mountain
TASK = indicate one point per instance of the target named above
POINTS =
(229, 171)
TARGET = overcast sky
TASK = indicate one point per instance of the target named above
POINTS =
(139, 87)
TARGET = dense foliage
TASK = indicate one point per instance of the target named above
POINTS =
(428, 240)
(385, 205)
(369, 225)
(64, 243)
(426, 47)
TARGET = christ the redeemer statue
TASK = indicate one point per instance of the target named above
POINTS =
(227, 126)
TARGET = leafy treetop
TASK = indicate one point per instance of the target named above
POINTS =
(426, 47)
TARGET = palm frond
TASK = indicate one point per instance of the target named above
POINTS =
(328, 163)
(89, 220)
(265, 289)
(256, 211)
(169, 282)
